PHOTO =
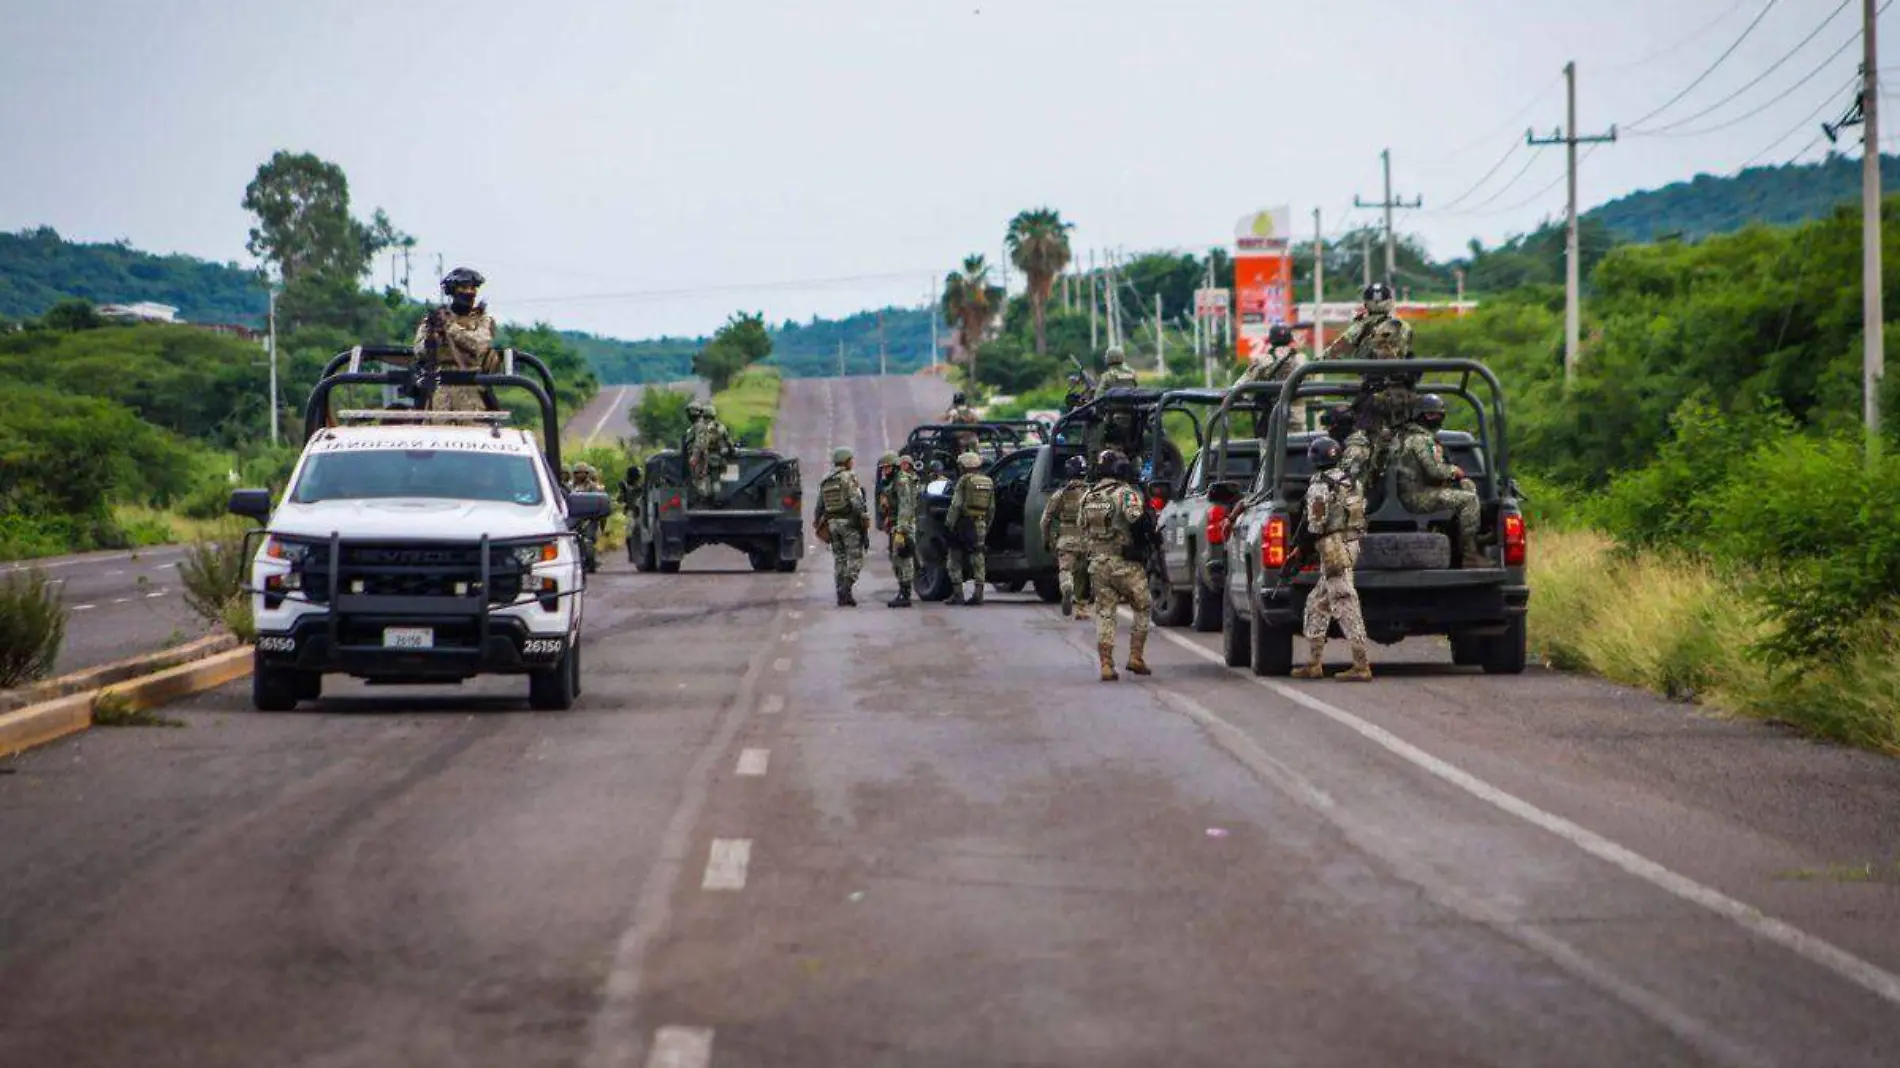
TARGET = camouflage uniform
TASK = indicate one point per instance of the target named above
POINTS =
(973, 498)
(707, 443)
(1357, 460)
(897, 511)
(1336, 513)
(1274, 365)
(1108, 514)
(1062, 530)
(1117, 376)
(1381, 335)
(844, 517)
(1430, 483)
(587, 480)
(468, 344)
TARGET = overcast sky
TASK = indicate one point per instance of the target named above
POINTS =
(667, 159)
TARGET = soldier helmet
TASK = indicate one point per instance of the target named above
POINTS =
(1323, 452)
(969, 461)
(1114, 355)
(462, 278)
(1430, 410)
(889, 459)
(959, 399)
(907, 462)
(840, 456)
(584, 468)
(707, 409)
(1279, 334)
(694, 408)
(1076, 467)
(1377, 297)
(1107, 460)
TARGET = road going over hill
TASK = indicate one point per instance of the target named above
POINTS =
(776, 832)
(606, 419)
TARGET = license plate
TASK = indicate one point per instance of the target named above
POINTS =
(731, 473)
(408, 637)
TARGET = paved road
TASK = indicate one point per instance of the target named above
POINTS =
(605, 418)
(775, 832)
(119, 604)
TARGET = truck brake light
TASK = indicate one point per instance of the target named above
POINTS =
(673, 503)
(1273, 544)
(1216, 524)
(790, 502)
(1515, 542)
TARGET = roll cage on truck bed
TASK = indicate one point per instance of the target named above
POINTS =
(1405, 581)
(421, 588)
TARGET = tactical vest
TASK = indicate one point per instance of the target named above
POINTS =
(1101, 516)
(978, 492)
(1345, 506)
(836, 497)
(1413, 440)
(1069, 505)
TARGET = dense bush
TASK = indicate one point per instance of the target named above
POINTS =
(32, 626)
(213, 574)
(66, 455)
(661, 416)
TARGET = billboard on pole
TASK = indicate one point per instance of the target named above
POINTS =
(1263, 278)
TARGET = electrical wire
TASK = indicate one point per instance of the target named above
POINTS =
(1478, 208)
(742, 287)
(1719, 60)
(1831, 102)
(1534, 197)
(1488, 136)
(1756, 80)
(1776, 99)
(1479, 184)
(1669, 49)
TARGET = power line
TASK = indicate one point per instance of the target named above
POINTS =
(790, 284)
(1507, 124)
(1478, 208)
(1479, 184)
(1719, 60)
(1669, 49)
(1776, 99)
(1534, 197)
(1773, 67)
(1832, 101)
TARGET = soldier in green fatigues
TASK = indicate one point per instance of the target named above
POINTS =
(1109, 515)
(1336, 514)
(460, 337)
(709, 449)
(897, 514)
(1116, 375)
(968, 521)
(1430, 483)
(1356, 458)
(1062, 532)
(841, 520)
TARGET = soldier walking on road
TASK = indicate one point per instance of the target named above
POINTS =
(841, 520)
(968, 521)
(1430, 483)
(1062, 532)
(459, 337)
(897, 514)
(1112, 517)
(1336, 514)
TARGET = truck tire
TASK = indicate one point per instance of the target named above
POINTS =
(763, 561)
(1166, 607)
(1506, 654)
(554, 690)
(1012, 586)
(787, 564)
(1272, 649)
(1048, 590)
(669, 567)
(1405, 551)
(309, 685)
(274, 689)
(933, 582)
(1236, 636)
(1204, 607)
(1467, 650)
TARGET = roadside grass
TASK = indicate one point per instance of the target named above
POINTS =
(110, 709)
(145, 525)
(1678, 627)
(749, 405)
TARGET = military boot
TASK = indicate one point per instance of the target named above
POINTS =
(1360, 671)
(1137, 645)
(976, 593)
(956, 595)
(1106, 653)
(1068, 603)
(1313, 668)
(902, 600)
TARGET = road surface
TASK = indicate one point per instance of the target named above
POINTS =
(605, 419)
(776, 832)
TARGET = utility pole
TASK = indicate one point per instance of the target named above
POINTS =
(1573, 285)
(1095, 344)
(883, 354)
(1391, 242)
(841, 357)
(1161, 345)
(935, 311)
(1459, 274)
(1873, 356)
(273, 365)
(1365, 255)
(1319, 286)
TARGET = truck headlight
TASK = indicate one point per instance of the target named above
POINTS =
(290, 552)
(529, 555)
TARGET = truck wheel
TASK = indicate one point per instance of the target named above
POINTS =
(1467, 650)
(787, 564)
(1272, 649)
(1012, 586)
(1506, 653)
(1048, 590)
(933, 582)
(554, 690)
(1166, 607)
(309, 685)
(1236, 637)
(274, 689)
(669, 567)
(1204, 610)
(641, 553)
(762, 561)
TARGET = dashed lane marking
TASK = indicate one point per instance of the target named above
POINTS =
(781, 664)
(84, 607)
(796, 614)
(681, 1047)
(1862, 973)
(726, 864)
(753, 761)
(120, 600)
(157, 593)
(773, 705)
(788, 636)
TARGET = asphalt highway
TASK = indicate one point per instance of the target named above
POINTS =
(606, 419)
(776, 832)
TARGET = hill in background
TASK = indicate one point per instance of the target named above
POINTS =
(1707, 205)
(38, 268)
(800, 350)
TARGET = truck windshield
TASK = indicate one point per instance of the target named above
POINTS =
(449, 474)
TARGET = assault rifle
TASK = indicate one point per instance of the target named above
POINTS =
(1300, 550)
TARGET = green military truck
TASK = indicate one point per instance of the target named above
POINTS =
(754, 510)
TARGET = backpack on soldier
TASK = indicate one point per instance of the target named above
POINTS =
(978, 494)
(835, 497)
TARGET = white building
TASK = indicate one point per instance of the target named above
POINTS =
(144, 311)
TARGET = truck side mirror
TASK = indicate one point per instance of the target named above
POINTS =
(588, 505)
(1225, 494)
(250, 503)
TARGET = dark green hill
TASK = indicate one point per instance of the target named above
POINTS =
(801, 350)
(38, 268)
(1707, 204)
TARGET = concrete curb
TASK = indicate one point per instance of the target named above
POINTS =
(49, 720)
(93, 678)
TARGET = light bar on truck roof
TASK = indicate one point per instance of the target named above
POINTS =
(411, 416)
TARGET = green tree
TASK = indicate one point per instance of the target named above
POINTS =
(661, 415)
(304, 225)
(1038, 243)
(72, 315)
(971, 303)
(740, 343)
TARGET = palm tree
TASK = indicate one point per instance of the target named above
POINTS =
(1038, 243)
(971, 303)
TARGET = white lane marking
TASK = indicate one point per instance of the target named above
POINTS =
(753, 761)
(796, 614)
(681, 1047)
(48, 565)
(788, 636)
(120, 600)
(726, 864)
(158, 593)
(618, 403)
(773, 705)
(1862, 973)
(781, 664)
(84, 607)
(162, 567)
(120, 571)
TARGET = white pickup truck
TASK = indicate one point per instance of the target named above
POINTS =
(414, 547)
